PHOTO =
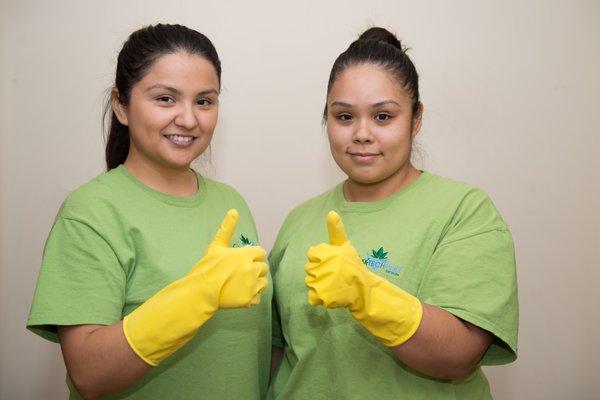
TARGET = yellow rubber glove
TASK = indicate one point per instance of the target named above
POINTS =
(336, 277)
(225, 277)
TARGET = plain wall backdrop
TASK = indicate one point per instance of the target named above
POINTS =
(511, 92)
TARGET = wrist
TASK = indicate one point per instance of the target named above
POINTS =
(389, 313)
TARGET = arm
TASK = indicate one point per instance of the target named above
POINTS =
(423, 336)
(98, 359)
(104, 359)
(444, 346)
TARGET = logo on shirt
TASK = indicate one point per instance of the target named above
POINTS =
(378, 261)
(244, 241)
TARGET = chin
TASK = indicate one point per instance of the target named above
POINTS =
(177, 164)
(364, 180)
(369, 178)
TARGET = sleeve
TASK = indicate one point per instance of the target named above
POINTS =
(472, 275)
(81, 281)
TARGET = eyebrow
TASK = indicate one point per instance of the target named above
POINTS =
(378, 104)
(175, 91)
(383, 103)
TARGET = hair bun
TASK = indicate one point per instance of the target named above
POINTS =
(381, 35)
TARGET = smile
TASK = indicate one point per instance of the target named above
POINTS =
(180, 140)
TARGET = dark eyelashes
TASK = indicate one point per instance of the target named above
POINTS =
(381, 117)
(201, 102)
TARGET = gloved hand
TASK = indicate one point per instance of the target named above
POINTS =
(225, 277)
(336, 277)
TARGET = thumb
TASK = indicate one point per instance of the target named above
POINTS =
(335, 226)
(223, 236)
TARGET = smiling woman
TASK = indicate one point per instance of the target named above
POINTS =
(171, 115)
(140, 281)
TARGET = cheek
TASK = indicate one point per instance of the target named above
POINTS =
(337, 139)
(402, 138)
(396, 148)
(398, 145)
(147, 121)
(208, 121)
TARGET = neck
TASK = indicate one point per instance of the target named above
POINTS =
(172, 181)
(366, 192)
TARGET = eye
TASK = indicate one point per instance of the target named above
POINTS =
(343, 117)
(165, 99)
(382, 117)
(204, 102)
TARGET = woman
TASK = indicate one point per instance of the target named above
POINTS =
(416, 287)
(146, 297)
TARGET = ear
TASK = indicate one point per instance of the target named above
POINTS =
(118, 108)
(417, 120)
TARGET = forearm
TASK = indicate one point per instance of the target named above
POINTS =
(99, 359)
(443, 346)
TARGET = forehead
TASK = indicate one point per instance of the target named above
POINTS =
(181, 70)
(369, 83)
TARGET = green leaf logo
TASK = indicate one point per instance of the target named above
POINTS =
(380, 253)
(378, 261)
(245, 241)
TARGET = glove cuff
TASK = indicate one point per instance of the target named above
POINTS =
(170, 318)
(391, 314)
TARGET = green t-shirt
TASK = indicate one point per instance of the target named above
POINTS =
(115, 243)
(440, 240)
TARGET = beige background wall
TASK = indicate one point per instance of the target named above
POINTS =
(512, 97)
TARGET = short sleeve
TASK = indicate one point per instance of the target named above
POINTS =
(80, 281)
(472, 275)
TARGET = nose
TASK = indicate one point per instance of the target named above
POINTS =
(362, 133)
(186, 118)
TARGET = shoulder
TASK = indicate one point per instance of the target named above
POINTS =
(221, 189)
(224, 195)
(317, 205)
(456, 193)
(451, 189)
(102, 192)
(466, 208)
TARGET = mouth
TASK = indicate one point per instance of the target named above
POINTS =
(362, 154)
(180, 140)
(363, 157)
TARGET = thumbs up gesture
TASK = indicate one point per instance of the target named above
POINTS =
(225, 277)
(238, 274)
(336, 277)
(335, 274)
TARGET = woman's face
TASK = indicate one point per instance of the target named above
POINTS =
(370, 124)
(172, 111)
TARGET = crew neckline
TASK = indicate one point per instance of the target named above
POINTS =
(370, 206)
(179, 201)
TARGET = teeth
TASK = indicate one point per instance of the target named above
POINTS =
(180, 138)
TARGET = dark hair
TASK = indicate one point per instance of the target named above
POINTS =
(381, 47)
(139, 52)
